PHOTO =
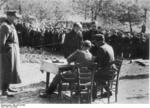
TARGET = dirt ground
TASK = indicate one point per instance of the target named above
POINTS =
(133, 85)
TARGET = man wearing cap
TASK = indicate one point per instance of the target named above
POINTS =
(83, 57)
(92, 32)
(9, 50)
(73, 40)
(105, 56)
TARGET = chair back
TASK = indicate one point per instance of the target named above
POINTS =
(115, 81)
(86, 74)
(118, 64)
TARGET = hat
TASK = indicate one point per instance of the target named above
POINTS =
(77, 25)
(87, 43)
(13, 13)
(99, 37)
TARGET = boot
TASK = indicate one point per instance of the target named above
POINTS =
(6, 93)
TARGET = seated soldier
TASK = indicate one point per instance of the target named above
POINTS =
(104, 58)
(83, 57)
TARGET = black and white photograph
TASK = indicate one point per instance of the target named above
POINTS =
(74, 52)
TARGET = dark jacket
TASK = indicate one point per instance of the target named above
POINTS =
(72, 42)
(105, 56)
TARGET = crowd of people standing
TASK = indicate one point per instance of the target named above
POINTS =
(125, 44)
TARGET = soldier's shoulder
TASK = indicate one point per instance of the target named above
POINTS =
(4, 26)
(77, 52)
(106, 44)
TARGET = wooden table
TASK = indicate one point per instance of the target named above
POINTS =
(49, 67)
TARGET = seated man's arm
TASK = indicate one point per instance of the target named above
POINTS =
(72, 57)
(100, 59)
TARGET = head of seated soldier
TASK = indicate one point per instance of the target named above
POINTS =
(86, 45)
(100, 39)
(77, 27)
(12, 16)
(83, 56)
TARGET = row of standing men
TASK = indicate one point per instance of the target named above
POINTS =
(127, 45)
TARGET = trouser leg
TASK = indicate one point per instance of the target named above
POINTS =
(107, 88)
(101, 79)
(94, 94)
(54, 84)
(5, 86)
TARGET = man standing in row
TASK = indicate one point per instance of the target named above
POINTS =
(89, 35)
(9, 51)
(73, 40)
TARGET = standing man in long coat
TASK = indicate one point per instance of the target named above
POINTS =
(73, 40)
(9, 51)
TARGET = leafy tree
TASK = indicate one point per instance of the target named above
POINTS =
(82, 7)
(130, 14)
(145, 5)
(3, 4)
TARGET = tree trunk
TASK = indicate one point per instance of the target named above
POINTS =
(145, 15)
(85, 13)
(130, 23)
(92, 14)
(95, 16)
(20, 7)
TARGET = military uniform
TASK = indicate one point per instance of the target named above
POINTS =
(105, 55)
(80, 56)
(9, 50)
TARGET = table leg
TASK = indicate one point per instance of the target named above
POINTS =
(47, 79)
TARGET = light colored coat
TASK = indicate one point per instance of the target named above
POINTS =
(10, 56)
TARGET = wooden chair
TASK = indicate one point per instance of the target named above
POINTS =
(113, 83)
(65, 82)
(85, 82)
